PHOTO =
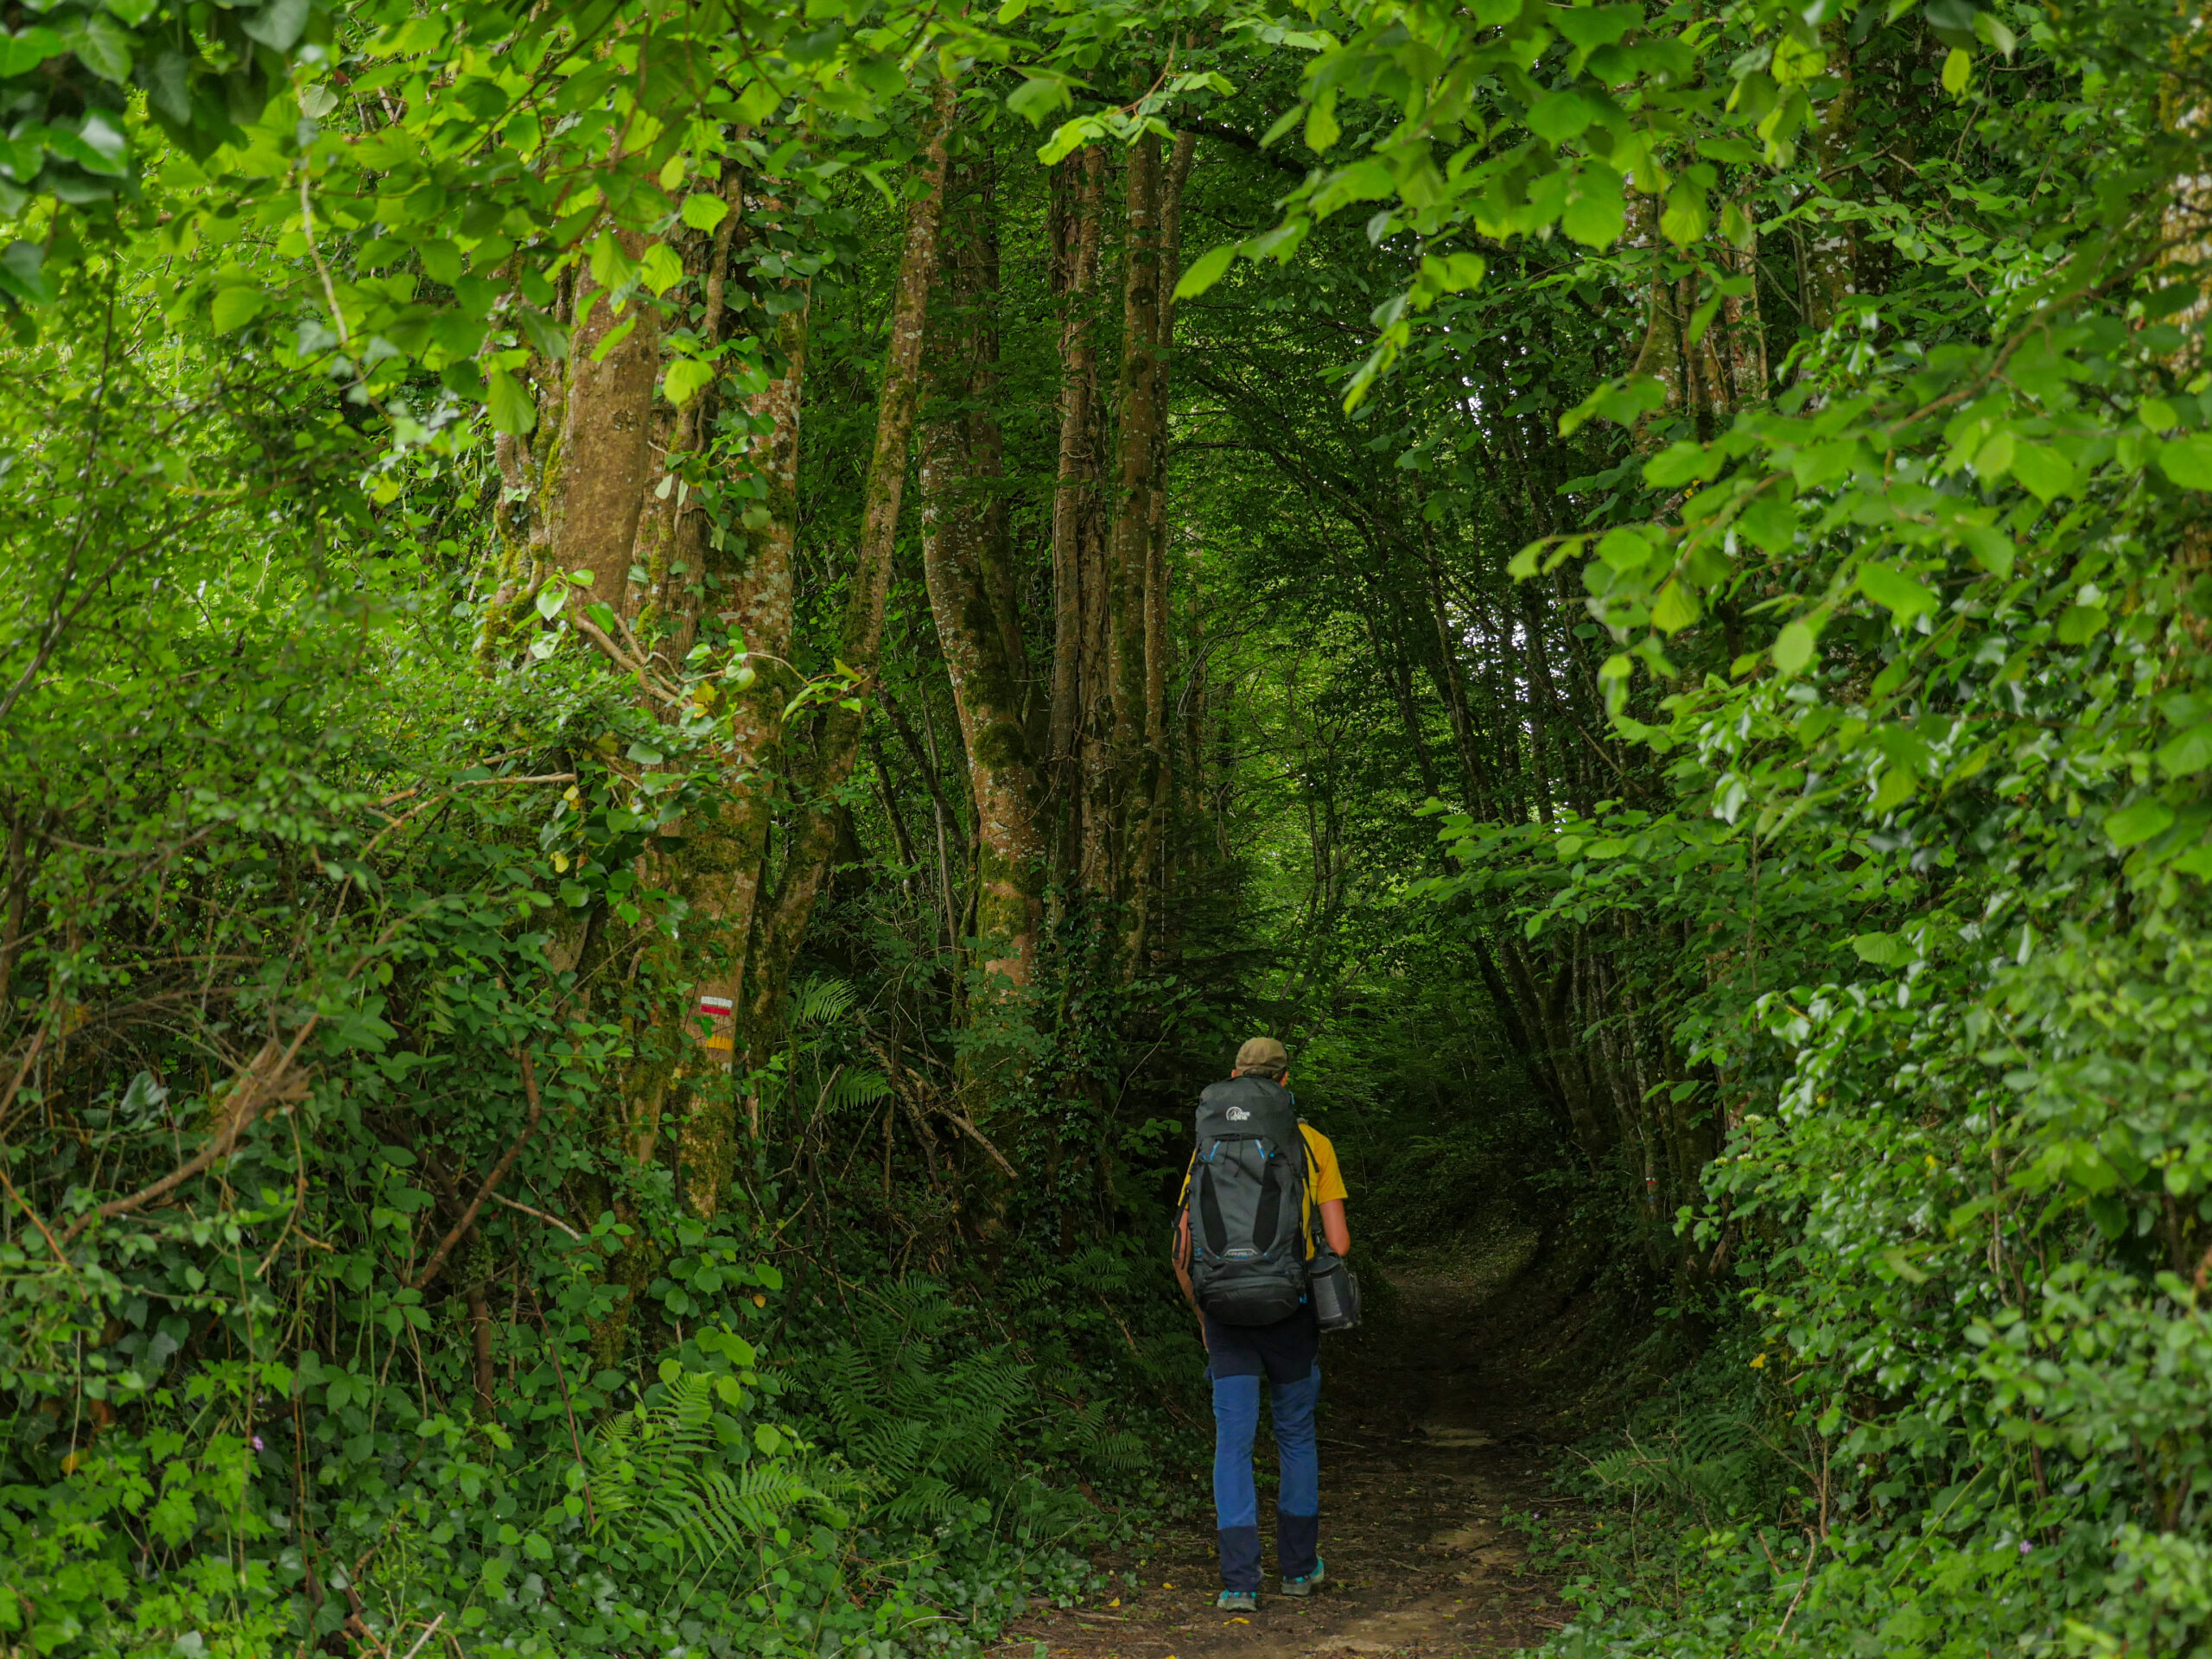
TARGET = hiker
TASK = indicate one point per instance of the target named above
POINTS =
(1250, 1281)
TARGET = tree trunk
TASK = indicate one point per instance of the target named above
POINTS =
(1137, 448)
(780, 926)
(669, 548)
(595, 479)
(1154, 796)
(965, 562)
(724, 858)
(1830, 273)
(1080, 185)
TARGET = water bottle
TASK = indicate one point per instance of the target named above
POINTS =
(1334, 1290)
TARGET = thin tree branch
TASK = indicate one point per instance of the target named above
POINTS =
(498, 1173)
(261, 1084)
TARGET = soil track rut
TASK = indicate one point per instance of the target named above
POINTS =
(1431, 1429)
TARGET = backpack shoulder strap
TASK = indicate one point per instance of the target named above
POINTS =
(1305, 1187)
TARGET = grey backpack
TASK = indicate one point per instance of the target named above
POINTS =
(1246, 1204)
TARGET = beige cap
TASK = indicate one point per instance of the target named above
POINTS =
(1262, 1051)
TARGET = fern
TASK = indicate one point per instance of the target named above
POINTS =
(931, 1427)
(818, 1003)
(660, 1470)
(1714, 1464)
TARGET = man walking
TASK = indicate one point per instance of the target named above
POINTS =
(1285, 1353)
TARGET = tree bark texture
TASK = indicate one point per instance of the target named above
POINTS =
(1137, 456)
(780, 924)
(595, 478)
(966, 565)
(1077, 527)
(1155, 797)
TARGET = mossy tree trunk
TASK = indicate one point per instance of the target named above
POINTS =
(817, 769)
(965, 561)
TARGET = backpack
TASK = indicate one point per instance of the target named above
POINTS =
(1246, 1202)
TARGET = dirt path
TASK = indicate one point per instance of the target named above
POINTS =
(1430, 1432)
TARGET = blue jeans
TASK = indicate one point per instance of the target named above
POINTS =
(1236, 1502)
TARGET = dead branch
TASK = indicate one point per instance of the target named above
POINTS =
(492, 1181)
(268, 1080)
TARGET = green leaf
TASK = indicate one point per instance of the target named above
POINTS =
(547, 336)
(1454, 273)
(104, 48)
(1207, 269)
(1899, 1263)
(21, 54)
(550, 598)
(1071, 136)
(1558, 118)
(1794, 648)
(1894, 590)
(610, 267)
(513, 411)
(2132, 825)
(1625, 549)
(1595, 214)
(1321, 129)
(1685, 219)
(1678, 463)
(2079, 624)
(1993, 548)
(661, 269)
(278, 25)
(2187, 754)
(702, 211)
(98, 146)
(1956, 68)
(2188, 462)
(1629, 399)
(2046, 473)
(614, 337)
(687, 378)
(1595, 26)
(23, 273)
(234, 307)
(1675, 609)
(1881, 949)
(1897, 787)
(1771, 520)
(1523, 565)
(1037, 97)
(1738, 226)
(440, 261)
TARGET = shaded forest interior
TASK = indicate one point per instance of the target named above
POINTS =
(673, 676)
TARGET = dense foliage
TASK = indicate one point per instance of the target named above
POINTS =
(670, 673)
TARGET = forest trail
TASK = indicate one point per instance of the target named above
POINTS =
(1432, 1429)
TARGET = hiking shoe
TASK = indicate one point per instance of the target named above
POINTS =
(1305, 1586)
(1240, 1601)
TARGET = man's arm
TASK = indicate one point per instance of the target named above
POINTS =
(1334, 1225)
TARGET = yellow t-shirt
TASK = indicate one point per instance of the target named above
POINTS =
(1328, 1180)
(1325, 1186)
